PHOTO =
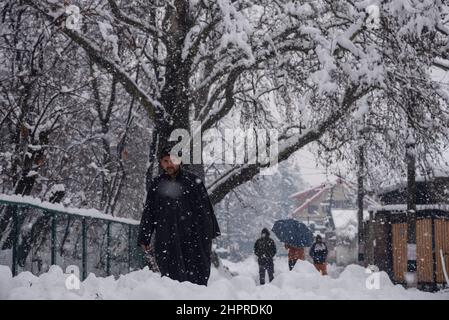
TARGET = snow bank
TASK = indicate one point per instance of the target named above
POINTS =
(304, 282)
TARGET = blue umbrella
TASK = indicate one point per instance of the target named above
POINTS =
(293, 232)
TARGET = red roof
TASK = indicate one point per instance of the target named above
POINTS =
(313, 193)
(318, 192)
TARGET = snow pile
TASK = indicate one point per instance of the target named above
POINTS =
(304, 282)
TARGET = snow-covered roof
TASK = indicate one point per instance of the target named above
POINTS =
(441, 172)
(403, 207)
(306, 192)
(310, 200)
(402, 184)
(392, 187)
(48, 206)
(316, 191)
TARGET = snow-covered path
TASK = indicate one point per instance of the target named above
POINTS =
(304, 282)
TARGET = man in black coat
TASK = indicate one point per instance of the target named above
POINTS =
(180, 215)
(265, 249)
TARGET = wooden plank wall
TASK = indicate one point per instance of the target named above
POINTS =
(424, 252)
(399, 239)
(381, 250)
(441, 242)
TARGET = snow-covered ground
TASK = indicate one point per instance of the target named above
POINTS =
(304, 282)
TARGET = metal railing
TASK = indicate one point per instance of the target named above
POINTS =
(55, 211)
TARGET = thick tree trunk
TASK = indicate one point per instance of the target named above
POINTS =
(174, 95)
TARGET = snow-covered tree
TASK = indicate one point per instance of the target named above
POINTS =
(82, 79)
(249, 208)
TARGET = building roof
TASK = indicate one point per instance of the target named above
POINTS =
(399, 208)
(317, 193)
(437, 173)
(306, 193)
(313, 193)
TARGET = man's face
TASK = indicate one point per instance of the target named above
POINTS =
(170, 164)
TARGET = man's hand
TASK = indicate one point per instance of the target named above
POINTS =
(145, 247)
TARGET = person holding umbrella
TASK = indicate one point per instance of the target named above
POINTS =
(294, 254)
(318, 252)
(295, 235)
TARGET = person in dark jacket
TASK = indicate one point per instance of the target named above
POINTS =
(265, 249)
(318, 252)
(180, 215)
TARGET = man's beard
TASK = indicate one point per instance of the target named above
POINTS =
(171, 170)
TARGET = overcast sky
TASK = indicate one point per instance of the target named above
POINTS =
(313, 173)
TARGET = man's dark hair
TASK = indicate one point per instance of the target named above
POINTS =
(167, 151)
(265, 231)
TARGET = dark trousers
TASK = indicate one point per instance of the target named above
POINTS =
(291, 264)
(266, 265)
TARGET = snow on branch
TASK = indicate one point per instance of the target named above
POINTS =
(441, 64)
(243, 173)
(236, 30)
(152, 106)
(119, 15)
